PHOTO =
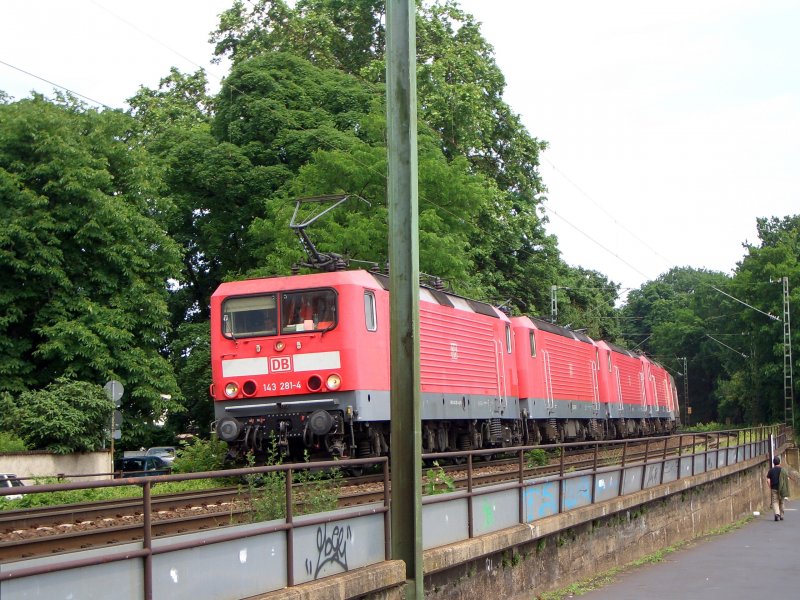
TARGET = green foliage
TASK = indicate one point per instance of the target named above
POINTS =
(536, 457)
(190, 356)
(586, 301)
(733, 348)
(101, 494)
(66, 416)
(200, 455)
(669, 319)
(11, 442)
(437, 481)
(490, 243)
(83, 258)
(313, 491)
(705, 428)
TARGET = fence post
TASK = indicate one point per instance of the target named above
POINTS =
(561, 485)
(470, 528)
(387, 542)
(289, 531)
(147, 540)
(521, 493)
(594, 471)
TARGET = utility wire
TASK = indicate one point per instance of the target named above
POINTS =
(742, 354)
(144, 33)
(771, 316)
(609, 215)
(58, 85)
(594, 241)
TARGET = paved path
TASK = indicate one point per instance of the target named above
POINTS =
(760, 560)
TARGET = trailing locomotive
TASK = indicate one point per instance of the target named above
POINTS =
(304, 360)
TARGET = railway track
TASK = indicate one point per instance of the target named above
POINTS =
(44, 531)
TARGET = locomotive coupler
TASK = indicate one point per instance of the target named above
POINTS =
(349, 417)
(283, 439)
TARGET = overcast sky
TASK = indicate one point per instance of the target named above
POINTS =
(672, 125)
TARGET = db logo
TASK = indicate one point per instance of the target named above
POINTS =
(280, 364)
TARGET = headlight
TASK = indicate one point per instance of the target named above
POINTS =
(231, 389)
(279, 346)
(333, 382)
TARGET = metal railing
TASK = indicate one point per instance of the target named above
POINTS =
(656, 451)
(148, 551)
(691, 445)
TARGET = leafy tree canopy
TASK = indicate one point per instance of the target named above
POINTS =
(83, 258)
(63, 417)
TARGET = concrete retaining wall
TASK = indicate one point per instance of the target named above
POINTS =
(528, 560)
(46, 464)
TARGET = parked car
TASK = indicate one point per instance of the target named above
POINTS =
(165, 453)
(141, 466)
(9, 480)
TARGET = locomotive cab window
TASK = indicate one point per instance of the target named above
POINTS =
(249, 316)
(370, 311)
(508, 338)
(309, 310)
(533, 344)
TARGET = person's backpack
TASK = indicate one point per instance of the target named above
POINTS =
(783, 483)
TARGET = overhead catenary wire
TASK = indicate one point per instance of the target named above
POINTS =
(57, 85)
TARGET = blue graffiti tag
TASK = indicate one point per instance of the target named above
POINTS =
(575, 496)
(547, 496)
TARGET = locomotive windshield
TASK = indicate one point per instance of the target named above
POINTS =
(249, 316)
(310, 310)
(254, 316)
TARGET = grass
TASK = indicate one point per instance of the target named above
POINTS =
(103, 494)
(608, 577)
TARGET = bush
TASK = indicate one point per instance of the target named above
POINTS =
(438, 481)
(199, 455)
(67, 416)
(316, 491)
(536, 457)
(10, 442)
(100, 494)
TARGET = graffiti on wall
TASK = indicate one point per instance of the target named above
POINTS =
(331, 548)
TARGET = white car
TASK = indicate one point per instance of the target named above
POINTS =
(165, 453)
(9, 480)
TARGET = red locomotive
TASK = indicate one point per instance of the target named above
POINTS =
(304, 359)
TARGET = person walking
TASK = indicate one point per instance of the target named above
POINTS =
(778, 487)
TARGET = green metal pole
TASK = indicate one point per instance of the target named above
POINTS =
(401, 112)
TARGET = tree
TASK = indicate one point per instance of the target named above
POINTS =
(83, 258)
(586, 301)
(671, 318)
(758, 281)
(460, 93)
(337, 145)
(65, 416)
